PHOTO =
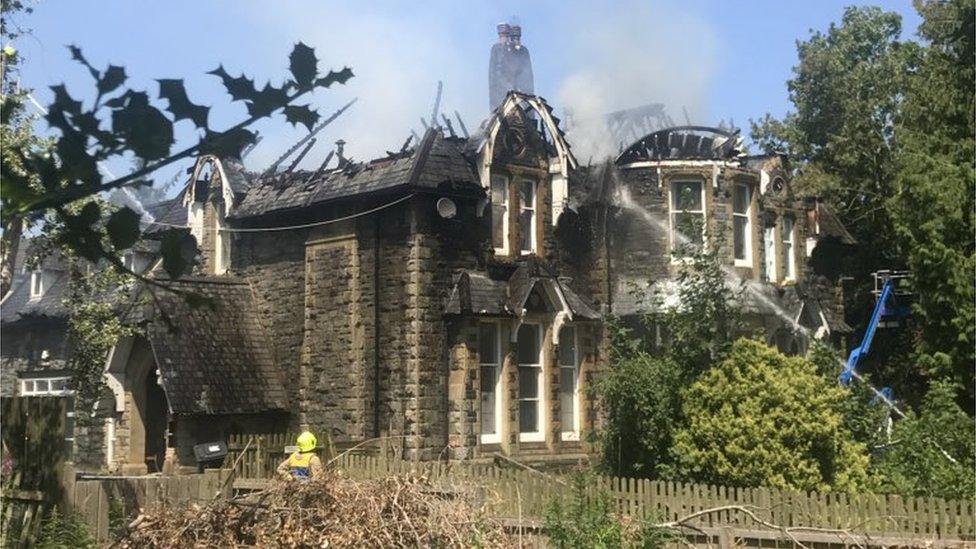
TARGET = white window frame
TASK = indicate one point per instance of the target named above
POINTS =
(534, 208)
(221, 246)
(28, 386)
(496, 437)
(769, 248)
(37, 284)
(574, 433)
(672, 212)
(539, 435)
(195, 221)
(747, 215)
(505, 222)
(789, 247)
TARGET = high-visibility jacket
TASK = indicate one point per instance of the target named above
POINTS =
(301, 466)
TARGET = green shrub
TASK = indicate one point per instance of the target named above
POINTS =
(60, 531)
(762, 418)
(584, 520)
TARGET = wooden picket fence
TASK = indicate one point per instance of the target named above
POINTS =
(112, 502)
(525, 494)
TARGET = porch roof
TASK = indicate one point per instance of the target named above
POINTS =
(213, 358)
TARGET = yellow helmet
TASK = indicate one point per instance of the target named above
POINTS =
(306, 442)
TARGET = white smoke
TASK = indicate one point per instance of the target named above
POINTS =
(628, 54)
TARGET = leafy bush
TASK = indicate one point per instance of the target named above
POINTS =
(762, 418)
(641, 401)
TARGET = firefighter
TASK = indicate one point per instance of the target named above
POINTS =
(303, 464)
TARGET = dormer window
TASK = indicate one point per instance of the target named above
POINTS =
(37, 284)
(128, 261)
(499, 214)
(527, 216)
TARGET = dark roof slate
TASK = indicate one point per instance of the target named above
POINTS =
(436, 160)
(18, 303)
(478, 294)
(214, 359)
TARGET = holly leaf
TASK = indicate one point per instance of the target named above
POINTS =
(177, 248)
(229, 143)
(301, 114)
(304, 65)
(80, 57)
(123, 228)
(333, 77)
(180, 105)
(145, 130)
(268, 100)
(76, 163)
(240, 88)
(113, 78)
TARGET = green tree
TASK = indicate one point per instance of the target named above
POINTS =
(16, 132)
(933, 201)
(762, 418)
(932, 453)
(846, 93)
(696, 319)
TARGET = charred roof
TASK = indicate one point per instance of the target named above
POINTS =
(685, 143)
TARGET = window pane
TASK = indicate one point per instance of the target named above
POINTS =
(567, 394)
(488, 397)
(58, 384)
(529, 416)
(499, 190)
(527, 194)
(525, 231)
(769, 248)
(740, 199)
(528, 382)
(787, 230)
(40, 385)
(497, 225)
(740, 224)
(686, 195)
(688, 229)
(488, 344)
(528, 344)
(567, 343)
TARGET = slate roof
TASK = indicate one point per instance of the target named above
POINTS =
(18, 304)
(214, 359)
(436, 160)
(167, 213)
(685, 143)
(479, 294)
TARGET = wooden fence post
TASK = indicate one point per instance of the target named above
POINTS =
(66, 482)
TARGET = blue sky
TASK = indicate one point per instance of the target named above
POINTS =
(718, 60)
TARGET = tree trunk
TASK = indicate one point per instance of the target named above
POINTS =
(9, 245)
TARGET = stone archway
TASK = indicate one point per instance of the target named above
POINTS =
(145, 413)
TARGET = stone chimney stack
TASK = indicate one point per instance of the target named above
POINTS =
(510, 67)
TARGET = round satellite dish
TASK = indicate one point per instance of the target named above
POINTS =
(446, 208)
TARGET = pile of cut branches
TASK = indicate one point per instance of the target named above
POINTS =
(404, 511)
